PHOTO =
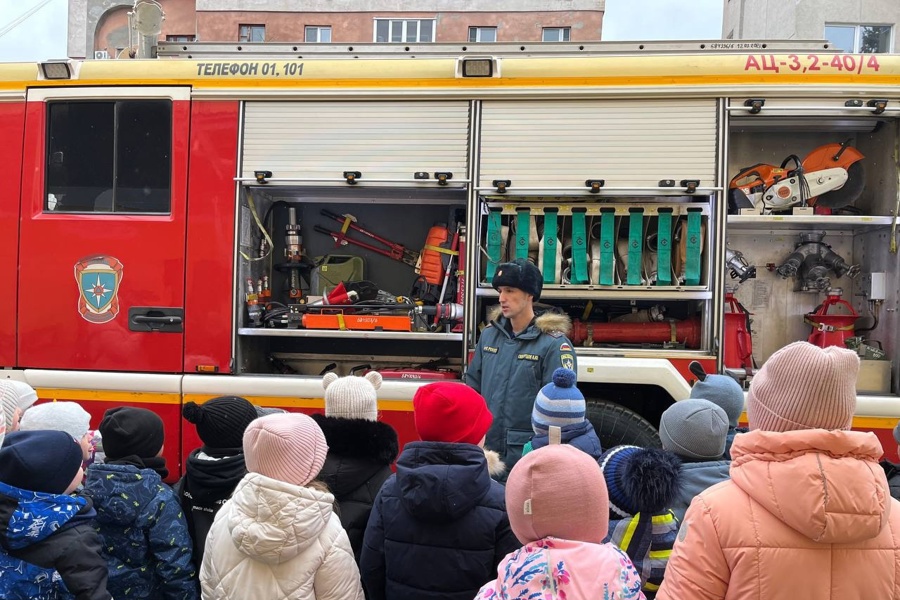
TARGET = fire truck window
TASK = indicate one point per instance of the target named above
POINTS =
(109, 156)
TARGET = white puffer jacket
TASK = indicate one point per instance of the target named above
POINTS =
(277, 540)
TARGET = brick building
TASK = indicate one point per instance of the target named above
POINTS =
(99, 28)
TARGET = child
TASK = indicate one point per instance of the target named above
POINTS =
(438, 528)
(561, 404)
(277, 537)
(695, 431)
(61, 416)
(642, 484)
(142, 527)
(213, 470)
(47, 535)
(558, 508)
(806, 513)
(360, 449)
(724, 392)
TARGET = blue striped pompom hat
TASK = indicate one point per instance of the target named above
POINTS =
(559, 403)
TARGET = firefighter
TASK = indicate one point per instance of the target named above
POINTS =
(516, 356)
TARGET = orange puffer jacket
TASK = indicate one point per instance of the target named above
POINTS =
(805, 516)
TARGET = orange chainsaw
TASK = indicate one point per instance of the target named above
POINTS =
(830, 176)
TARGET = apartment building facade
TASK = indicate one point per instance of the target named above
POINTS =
(852, 25)
(99, 28)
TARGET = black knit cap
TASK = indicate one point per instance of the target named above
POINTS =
(519, 274)
(40, 461)
(221, 421)
(130, 431)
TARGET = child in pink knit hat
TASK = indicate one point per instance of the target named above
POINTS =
(806, 512)
(278, 536)
(558, 507)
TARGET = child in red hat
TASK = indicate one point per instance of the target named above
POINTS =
(439, 527)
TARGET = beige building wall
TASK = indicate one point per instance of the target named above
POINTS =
(804, 19)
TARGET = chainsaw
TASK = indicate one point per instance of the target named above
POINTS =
(830, 177)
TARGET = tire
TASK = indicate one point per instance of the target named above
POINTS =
(616, 425)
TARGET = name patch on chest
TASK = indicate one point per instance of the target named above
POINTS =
(533, 357)
(490, 349)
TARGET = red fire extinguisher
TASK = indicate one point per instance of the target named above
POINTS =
(831, 329)
(738, 341)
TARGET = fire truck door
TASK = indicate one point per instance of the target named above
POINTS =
(102, 236)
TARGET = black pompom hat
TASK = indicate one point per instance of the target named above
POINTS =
(221, 422)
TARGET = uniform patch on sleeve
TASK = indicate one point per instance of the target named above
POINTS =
(567, 360)
(565, 347)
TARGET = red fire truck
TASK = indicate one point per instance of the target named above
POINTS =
(241, 220)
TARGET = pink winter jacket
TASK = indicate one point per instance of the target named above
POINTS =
(806, 516)
(556, 569)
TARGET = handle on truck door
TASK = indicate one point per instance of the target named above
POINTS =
(156, 319)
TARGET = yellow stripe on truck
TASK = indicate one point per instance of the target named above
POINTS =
(76, 395)
(109, 396)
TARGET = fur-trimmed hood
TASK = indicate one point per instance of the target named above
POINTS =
(496, 467)
(548, 319)
(358, 438)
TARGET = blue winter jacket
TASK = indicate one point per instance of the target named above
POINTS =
(581, 435)
(144, 534)
(438, 528)
(46, 543)
(695, 478)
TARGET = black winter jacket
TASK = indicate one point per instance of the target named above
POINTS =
(359, 460)
(209, 480)
(438, 528)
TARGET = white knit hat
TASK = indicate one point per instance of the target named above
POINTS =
(9, 403)
(26, 393)
(803, 386)
(57, 416)
(288, 447)
(352, 397)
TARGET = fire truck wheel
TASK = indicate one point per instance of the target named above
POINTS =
(616, 425)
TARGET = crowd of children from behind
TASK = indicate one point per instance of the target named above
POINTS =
(283, 505)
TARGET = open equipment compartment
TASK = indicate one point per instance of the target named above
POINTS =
(306, 253)
(832, 257)
(586, 250)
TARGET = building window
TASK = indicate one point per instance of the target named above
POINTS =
(404, 30)
(109, 157)
(252, 33)
(314, 33)
(556, 34)
(181, 38)
(482, 34)
(860, 38)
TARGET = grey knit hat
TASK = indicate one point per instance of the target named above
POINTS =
(694, 429)
(724, 392)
